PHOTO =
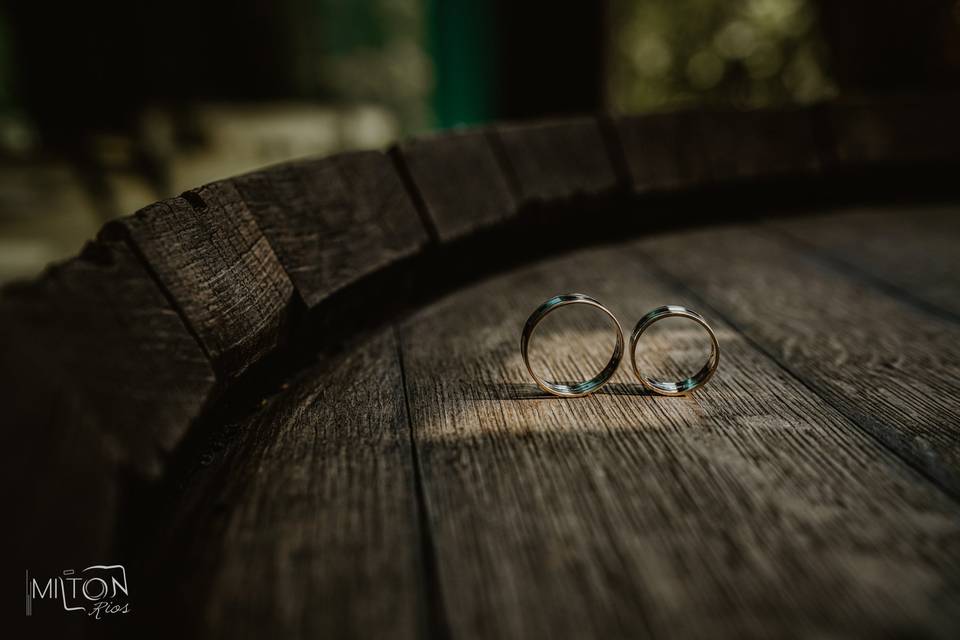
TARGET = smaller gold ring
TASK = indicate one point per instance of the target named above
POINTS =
(581, 388)
(680, 387)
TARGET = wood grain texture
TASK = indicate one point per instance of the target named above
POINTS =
(763, 143)
(334, 220)
(211, 256)
(891, 368)
(894, 131)
(916, 249)
(558, 159)
(109, 332)
(103, 380)
(459, 180)
(306, 527)
(744, 510)
(664, 151)
(823, 501)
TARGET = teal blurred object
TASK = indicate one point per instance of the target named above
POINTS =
(462, 41)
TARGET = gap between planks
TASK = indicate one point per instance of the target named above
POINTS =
(873, 265)
(438, 627)
(893, 386)
(760, 347)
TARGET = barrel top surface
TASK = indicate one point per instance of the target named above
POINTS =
(826, 440)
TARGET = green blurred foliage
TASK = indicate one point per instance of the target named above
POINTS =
(665, 53)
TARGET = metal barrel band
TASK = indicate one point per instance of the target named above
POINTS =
(582, 388)
(679, 387)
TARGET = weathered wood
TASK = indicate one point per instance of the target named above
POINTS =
(103, 379)
(889, 367)
(915, 249)
(893, 131)
(209, 254)
(664, 151)
(100, 325)
(557, 160)
(334, 220)
(459, 180)
(762, 143)
(745, 510)
(307, 525)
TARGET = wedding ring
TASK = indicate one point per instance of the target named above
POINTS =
(687, 385)
(581, 388)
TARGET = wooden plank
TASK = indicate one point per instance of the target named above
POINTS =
(557, 160)
(459, 180)
(104, 381)
(894, 131)
(210, 255)
(333, 220)
(761, 143)
(306, 526)
(745, 510)
(914, 249)
(888, 366)
(664, 151)
(110, 333)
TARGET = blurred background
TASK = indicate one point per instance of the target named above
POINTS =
(106, 106)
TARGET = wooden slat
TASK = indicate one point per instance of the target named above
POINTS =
(210, 255)
(894, 131)
(890, 367)
(334, 220)
(915, 249)
(664, 151)
(762, 143)
(104, 381)
(459, 180)
(107, 330)
(307, 525)
(745, 510)
(558, 159)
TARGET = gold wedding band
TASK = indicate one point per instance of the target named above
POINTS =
(680, 387)
(581, 388)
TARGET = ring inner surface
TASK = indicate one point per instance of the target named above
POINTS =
(682, 386)
(587, 385)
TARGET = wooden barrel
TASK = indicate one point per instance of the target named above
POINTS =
(291, 403)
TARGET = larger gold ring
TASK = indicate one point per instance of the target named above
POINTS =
(581, 388)
(663, 387)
